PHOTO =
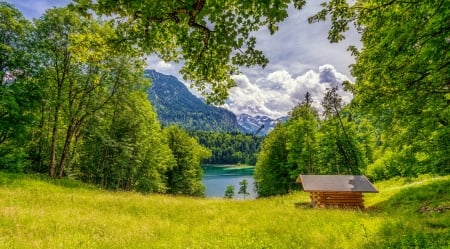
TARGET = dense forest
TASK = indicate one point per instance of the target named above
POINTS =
(73, 93)
(229, 148)
(74, 103)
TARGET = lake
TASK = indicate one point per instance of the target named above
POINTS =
(216, 178)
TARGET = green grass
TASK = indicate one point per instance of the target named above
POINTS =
(39, 213)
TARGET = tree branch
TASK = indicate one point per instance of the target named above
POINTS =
(192, 13)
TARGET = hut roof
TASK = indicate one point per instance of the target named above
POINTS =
(336, 183)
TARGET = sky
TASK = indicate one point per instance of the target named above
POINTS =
(301, 60)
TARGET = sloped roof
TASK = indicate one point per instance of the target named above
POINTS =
(336, 183)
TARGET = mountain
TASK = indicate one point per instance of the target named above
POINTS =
(175, 104)
(258, 125)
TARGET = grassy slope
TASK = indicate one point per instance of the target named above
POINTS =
(38, 213)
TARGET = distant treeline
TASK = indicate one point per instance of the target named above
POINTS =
(229, 148)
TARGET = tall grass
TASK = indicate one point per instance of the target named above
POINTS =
(40, 213)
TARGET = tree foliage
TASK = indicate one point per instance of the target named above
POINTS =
(302, 140)
(307, 144)
(212, 38)
(18, 95)
(243, 185)
(186, 176)
(402, 75)
(80, 71)
(123, 148)
(229, 192)
(272, 171)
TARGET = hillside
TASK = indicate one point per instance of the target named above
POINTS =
(176, 105)
(40, 213)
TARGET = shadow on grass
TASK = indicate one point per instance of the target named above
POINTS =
(303, 205)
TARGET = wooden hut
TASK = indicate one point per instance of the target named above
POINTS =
(343, 191)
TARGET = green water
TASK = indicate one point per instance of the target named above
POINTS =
(216, 178)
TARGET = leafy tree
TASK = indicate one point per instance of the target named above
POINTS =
(303, 128)
(80, 71)
(229, 192)
(14, 29)
(346, 153)
(123, 148)
(272, 171)
(402, 74)
(186, 176)
(213, 38)
(243, 188)
(18, 93)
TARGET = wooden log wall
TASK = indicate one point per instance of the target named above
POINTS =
(337, 199)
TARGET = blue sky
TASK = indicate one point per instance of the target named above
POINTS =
(301, 59)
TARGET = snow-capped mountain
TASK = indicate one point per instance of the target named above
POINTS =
(258, 125)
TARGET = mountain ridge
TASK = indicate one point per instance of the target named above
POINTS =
(175, 104)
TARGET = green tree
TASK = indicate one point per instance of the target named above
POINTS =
(186, 176)
(273, 172)
(229, 192)
(80, 71)
(303, 128)
(14, 31)
(402, 74)
(212, 38)
(123, 147)
(243, 188)
(18, 93)
(347, 155)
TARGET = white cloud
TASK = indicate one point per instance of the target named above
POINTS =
(278, 92)
(162, 65)
(154, 62)
(299, 46)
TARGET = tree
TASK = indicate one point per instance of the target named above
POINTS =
(243, 188)
(303, 128)
(272, 171)
(229, 192)
(80, 71)
(212, 38)
(402, 74)
(347, 153)
(123, 147)
(14, 31)
(186, 176)
(18, 93)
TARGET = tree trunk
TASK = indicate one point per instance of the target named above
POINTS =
(65, 151)
(53, 143)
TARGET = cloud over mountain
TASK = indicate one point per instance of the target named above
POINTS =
(277, 93)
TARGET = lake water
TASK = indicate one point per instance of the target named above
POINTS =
(216, 178)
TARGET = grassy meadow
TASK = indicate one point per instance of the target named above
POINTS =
(36, 212)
